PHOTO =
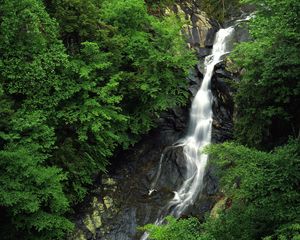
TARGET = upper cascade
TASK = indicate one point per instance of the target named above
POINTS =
(199, 129)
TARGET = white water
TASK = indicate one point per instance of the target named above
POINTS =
(199, 132)
(198, 135)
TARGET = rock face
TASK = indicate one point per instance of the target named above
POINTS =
(200, 30)
(122, 202)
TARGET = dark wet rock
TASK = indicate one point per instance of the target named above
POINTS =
(203, 52)
(221, 72)
(210, 37)
(223, 105)
(200, 67)
(195, 77)
(193, 90)
(211, 186)
(241, 34)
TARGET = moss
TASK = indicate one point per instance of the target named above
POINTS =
(79, 236)
(93, 221)
(89, 224)
(96, 204)
(109, 181)
(219, 206)
(108, 201)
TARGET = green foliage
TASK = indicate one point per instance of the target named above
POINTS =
(78, 20)
(144, 56)
(33, 194)
(32, 56)
(219, 9)
(158, 7)
(263, 188)
(268, 94)
(285, 232)
(78, 80)
(183, 229)
(31, 85)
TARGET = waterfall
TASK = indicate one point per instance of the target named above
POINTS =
(199, 129)
(198, 135)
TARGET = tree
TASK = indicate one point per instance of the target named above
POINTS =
(219, 9)
(75, 85)
(32, 61)
(263, 188)
(183, 229)
(268, 94)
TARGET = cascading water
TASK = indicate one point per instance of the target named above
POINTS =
(198, 135)
(199, 131)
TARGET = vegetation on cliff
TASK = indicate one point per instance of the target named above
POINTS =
(78, 80)
(268, 95)
(262, 192)
(260, 180)
(82, 78)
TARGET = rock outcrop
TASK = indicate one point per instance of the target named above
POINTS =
(200, 30)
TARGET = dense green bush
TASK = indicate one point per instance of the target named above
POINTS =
(187, 229)
(263, 188)
(219, 9)
(78, 79)
(268, 94)
(33, 83)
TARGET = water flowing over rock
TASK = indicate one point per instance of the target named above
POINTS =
(122, 202)
(198, 136)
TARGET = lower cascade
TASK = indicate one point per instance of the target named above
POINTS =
(198, 135)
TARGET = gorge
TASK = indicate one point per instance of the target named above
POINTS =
(174, 166)
(149, 119)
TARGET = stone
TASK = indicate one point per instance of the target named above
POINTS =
(108, 202)
(222, 72)
(89, 224)
(241, 34)
(210, 37)
(194, 89)
(78, 236)
(197, 25)
(108, 181)
(203, 52)
(194, 77)
(200, 67)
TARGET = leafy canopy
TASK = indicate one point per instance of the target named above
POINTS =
(268, 94)
(78, 80)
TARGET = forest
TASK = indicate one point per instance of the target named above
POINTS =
(84, 79)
